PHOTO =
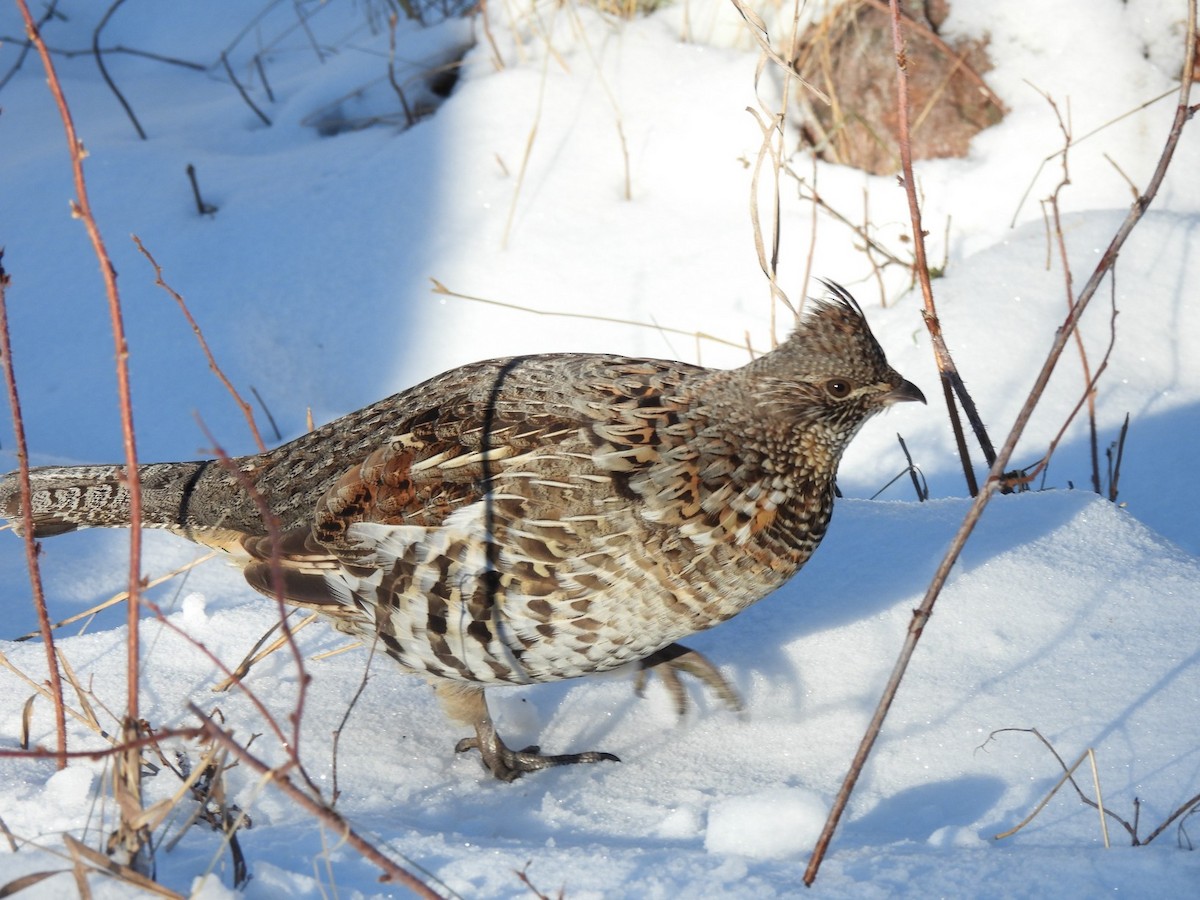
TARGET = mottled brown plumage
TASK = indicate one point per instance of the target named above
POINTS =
(532, 519)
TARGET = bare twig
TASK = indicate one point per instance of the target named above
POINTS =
(1068, 279)
(1183, 113)
(1131, 829)
(921, 489)
(1028, 474)
(869, 242)
(82, 208)
(247, 412)
(393, 872)
(271, 523)
(241, 90)
(1067, 775)
(66, 53)
(1079, 140)
(205, 209)
(104, 70)
(31, 553)
(928, 34)
(262, 76)
(953, 387)
(1114, 461)
(337, 732)
(408, 113)
(47, 14)
(267, 412)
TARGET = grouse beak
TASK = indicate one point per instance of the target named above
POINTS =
(906, 390)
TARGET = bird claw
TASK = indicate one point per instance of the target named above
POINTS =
(673, 659)
(509, 765)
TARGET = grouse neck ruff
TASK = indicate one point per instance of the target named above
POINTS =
(531, 519)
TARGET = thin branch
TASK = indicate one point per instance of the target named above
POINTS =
(104, 69)
(271, 523)
(952, 382)
(82, 208)
(393, 872)
(47, 14)
(408, 113)
(267, 412)
(928, 34)
(31, 552)
(247, 411)
(26, 45)
(1183, 113)
(241, 90)
(205, 209)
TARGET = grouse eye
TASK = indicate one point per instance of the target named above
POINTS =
(837, 388)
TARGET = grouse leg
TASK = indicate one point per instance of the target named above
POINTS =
(675, 658)
(467, 704)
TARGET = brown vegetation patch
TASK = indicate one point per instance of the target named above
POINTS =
(849, 55)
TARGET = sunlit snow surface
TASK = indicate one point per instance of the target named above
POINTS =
(1067, 613)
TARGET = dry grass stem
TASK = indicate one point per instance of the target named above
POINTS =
(1182, 811)
(758, 30)
(122, 596)
(45, 691)
(1099, 797)
(442, 290)
(99, 863)
(860, 231)
(546, 33)
(85, 706)
(1066, 776)
(256, 654)
(618, 119)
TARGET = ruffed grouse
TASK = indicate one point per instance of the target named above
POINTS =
(532, 519)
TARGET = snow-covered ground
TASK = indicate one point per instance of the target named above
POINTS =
(1067, 613)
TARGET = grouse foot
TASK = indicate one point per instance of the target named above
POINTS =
(676, 658)
(467, 704)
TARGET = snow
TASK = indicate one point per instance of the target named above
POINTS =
(1067, 613)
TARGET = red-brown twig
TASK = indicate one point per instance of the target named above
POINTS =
(392, 871)
(31, 553)
(245, 407)
(82, 208)
(271, 523)
(952, 384)
(1183, 113)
